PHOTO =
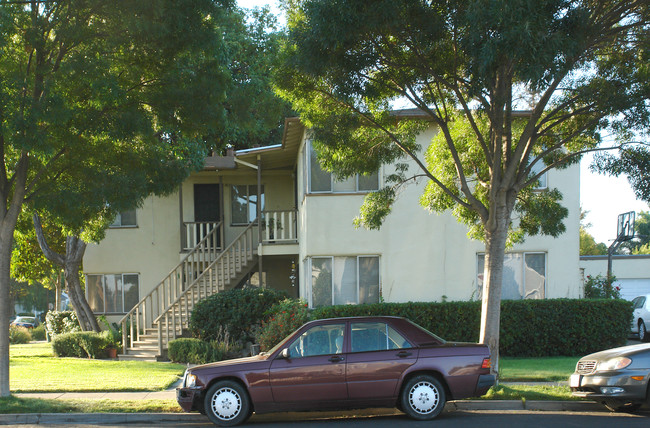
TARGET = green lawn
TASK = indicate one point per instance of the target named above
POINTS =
(34, 369)
(550, 369)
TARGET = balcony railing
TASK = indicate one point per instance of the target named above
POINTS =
(195, 231)
(279, 226)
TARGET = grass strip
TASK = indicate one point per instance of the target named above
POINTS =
(530, 392)
(9, 405)
(548, 369)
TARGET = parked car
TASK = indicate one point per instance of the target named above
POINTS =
(617, 378)
(27, 322)
(641, 319)
(341, 363)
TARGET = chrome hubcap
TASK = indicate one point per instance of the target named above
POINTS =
(424, 397)
(226, 403)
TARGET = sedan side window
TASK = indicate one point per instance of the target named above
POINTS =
(318, 340)
(376, 336)
(638, 302)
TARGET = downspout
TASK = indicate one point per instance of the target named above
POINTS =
(259, 219)
(180, 216)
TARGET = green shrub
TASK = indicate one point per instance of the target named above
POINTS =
(283, 319)
(196, 351)
(18, 335)
(599, 287)
(529, 328)
(61, 322)
(238, 312)
(83, 344)
(38, 333)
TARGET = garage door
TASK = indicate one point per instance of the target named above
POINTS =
(632, 287)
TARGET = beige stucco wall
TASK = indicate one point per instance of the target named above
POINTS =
(150, 249)
(425, 256)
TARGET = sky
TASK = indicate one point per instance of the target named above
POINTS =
(603, 197)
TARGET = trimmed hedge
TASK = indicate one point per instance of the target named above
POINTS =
(235, 313)
(529, 328)
(83, 344)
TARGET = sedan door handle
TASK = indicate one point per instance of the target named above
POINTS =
(403, 354)
(336, 358)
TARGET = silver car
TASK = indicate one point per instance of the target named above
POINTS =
(617, 378)
(641, 320)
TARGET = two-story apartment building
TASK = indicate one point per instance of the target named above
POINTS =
(156, 262)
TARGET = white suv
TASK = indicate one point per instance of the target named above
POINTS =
(641, 320)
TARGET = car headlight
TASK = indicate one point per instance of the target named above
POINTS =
(189, 380)
(614, 364)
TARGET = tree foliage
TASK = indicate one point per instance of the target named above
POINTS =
(101, 103)
(253, 113)
(466, 67)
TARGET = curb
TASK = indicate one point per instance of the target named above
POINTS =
(134, 418)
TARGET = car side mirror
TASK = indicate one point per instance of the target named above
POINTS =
(285, 354)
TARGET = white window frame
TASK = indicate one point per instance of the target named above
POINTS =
(248, 202)
(308, 152)
(308, 271)
(543, 179)
(122, 274)
(523, 263)
(117, 222)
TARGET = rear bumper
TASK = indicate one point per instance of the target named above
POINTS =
(484, 383)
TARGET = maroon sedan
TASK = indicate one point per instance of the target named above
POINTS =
(341, 363)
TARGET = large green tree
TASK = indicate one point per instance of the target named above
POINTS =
(86, 85)
(466, 67)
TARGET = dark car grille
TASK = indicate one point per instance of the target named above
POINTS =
(586, 367)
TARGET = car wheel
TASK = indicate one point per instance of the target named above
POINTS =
(227, 404)
(621, 406)
(643, 333)
(423, 398)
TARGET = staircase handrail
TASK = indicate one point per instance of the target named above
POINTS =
(141, 303)
(210, 266)
(244, 234)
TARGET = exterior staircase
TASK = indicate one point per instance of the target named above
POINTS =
(163, 314)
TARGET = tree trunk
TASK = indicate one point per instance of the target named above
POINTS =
(75, 249)
(5, 258)
(71, 264)
(495, 248)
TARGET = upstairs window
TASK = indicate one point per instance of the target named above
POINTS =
(537, 168)
(124, 219)
(244, 204)
(321, 181)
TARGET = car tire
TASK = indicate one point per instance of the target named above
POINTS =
(423, 397)
(621, 406)
(227, 404)
(643, 333)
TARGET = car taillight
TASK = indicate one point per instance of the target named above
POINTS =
(487, 363)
